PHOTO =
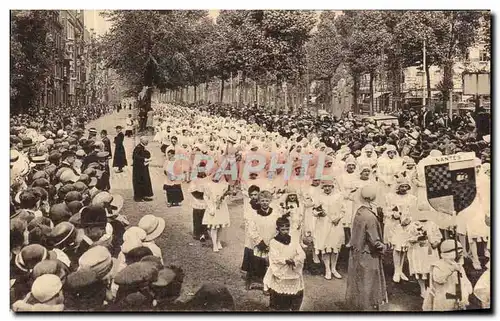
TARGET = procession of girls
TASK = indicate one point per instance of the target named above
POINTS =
(287, 217)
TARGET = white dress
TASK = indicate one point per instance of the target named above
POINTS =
(471, 221)
(309, 195)
(394, 232)
(216, 217)
(348, 183)
(421, 255)
(386, 170)
(329, 232)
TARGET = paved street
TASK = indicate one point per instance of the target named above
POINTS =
(201, 264)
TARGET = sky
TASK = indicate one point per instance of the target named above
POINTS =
(94, 21)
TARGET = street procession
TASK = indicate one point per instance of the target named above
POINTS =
(147, 189)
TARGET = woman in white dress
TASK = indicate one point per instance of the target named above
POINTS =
(217, 213)
(348, 184)
(423, 242)
(471, 221)
(308, 197)
(484, 189)
(399, 208)
(329, 232)
(388, 165)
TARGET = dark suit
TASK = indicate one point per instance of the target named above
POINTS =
(140, 173)
(120, 159)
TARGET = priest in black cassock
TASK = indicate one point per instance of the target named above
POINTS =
(143, 191)
(120, 159)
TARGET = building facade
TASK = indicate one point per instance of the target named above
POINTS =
(413, 87)
(74, 67)
(53, 94)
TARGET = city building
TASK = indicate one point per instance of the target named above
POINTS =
(74, 68)
(53, 94)
(413, 87)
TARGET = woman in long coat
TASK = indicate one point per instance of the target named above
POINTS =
(140, 173)
(120, 158)
(366, 288)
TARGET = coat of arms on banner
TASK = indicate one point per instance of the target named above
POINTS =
(450, 182)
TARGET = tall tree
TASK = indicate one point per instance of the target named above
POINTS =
(30, 52)
(150, 47)
(362, 38)
(324, 52)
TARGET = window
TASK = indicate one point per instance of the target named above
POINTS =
(70, 31)
(483, 56)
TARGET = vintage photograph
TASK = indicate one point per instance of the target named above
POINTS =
(250, 160)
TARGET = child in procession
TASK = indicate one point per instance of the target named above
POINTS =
(284, 277)
(329, 232)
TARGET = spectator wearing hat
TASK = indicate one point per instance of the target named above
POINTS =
(84, 291)
(64, 237)
(38, 162)
(46, 296)
(24, 263)
(143, 191)
(68, 159)
(154, 227)
(106, 142)
(366, 288)
(98, 259)
(18, 239)
(80, 156)
(53, 267)
(38, 230)
(120, 159)
(135, 281)
(113, 205)
(29, 202)
(94, 222)
(103, 183)
(92, 134)
(167, 289)
(92, 157)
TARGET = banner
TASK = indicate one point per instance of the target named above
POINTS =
(450, 182)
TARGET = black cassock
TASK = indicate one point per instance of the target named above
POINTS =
(120, 159)
(140, 173)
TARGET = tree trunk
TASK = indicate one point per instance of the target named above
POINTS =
(221, 89)
(148, 81)
(256, 86)
(428, 83)
(447, 82)
(275, 86)
(355, 93)
(265, 95)
(328, 96)
(240, 92)
(372, 99)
